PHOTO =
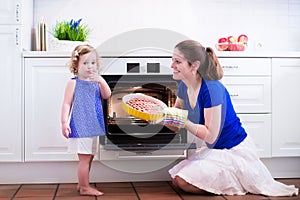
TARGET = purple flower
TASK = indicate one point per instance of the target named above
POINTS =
(74, 24)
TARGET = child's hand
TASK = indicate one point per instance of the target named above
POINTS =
(96, 77)
(66, 130)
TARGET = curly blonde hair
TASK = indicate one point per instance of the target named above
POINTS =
(77, 52)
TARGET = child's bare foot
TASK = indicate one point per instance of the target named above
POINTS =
(90, 191)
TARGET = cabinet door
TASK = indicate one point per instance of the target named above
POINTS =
(249, 94)
(10, 12)
(258, 126)
(10, 101)
(45, 81)
(286, 107)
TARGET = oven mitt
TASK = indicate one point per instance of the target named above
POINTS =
(175, 117)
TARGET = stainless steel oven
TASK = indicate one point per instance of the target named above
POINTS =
(130, 138)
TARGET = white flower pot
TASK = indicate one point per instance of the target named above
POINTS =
(63, 45)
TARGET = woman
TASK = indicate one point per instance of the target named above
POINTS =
(228, 163)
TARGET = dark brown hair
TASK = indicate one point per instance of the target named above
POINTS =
(210, 68)
(77, 52)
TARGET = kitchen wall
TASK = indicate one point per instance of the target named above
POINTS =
(271, 25)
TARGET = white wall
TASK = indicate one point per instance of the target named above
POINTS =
(273, 23)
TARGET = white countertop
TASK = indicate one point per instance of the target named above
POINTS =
(256, 54)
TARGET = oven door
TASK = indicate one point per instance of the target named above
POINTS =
(131, 138)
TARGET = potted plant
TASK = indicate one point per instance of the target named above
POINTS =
(68, 34)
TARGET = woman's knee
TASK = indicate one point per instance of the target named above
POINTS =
(187, 187)
(180, 182)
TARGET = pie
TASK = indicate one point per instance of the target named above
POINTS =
(144, 105)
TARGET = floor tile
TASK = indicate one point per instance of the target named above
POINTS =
(37, 190)
(76, 198)
(156, 196)
(7, 191)
(39, 186)
(35, 193)
(158, 189)
(67, 192)
(33, 198)
(112, 197)
(150, 184)
(155, 190)
(201, 197)
(117, 191)
(246, 197)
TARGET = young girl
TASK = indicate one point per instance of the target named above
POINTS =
(82, 115)
(228, 163)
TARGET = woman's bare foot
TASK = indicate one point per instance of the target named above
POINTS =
(89, 191)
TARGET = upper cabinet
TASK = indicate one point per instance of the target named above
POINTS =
(10, 12)
(11, 99)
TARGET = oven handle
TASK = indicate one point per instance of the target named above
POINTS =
(146, 155)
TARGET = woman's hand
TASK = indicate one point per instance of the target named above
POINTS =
(175, 117)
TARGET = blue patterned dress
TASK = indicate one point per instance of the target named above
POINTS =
(87, 112)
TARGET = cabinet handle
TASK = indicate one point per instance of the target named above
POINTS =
(234, 95)
(17, 12)
(230, 67)
(17, 37)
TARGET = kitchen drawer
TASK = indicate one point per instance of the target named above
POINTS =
(246, 66)
(249, 94)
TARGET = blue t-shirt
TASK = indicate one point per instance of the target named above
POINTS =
(213, 93)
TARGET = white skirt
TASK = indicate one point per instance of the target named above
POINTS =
(87, 145)
(234, 171)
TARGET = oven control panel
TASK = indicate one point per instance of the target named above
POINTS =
(152, 67)
(136, 65)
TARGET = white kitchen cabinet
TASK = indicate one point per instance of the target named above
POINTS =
(286, 107)
(45, 81)
(258, 126)
(10, 12)
(12, 42)
(248, 81)
(10, 90)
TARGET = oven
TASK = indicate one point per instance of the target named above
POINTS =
(131, 139)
